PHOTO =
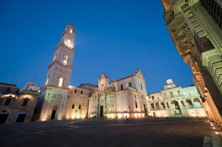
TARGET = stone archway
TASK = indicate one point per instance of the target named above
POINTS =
(163, 105)
(152, 106)
(177, 110)
(197, 102)
(189, 103)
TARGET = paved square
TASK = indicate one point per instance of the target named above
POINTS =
(93, 132)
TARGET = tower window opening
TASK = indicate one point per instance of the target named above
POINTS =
(121, 87)
(65, 61)
(54, 57)
(130, 84)
(60, 82)
(136, 104)
(47, 80)
(73, 106)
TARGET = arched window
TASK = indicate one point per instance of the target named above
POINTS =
(60, 82)
(182, 103)
(136, 104)
(165, 95)
(163, 105)
(152, 105)
(171, 94)
(168, 105)
(152, 97)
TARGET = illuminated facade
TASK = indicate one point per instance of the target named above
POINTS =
(195, 28)
(52, 101)
(17, 106)
(175, 101)
(120, 98)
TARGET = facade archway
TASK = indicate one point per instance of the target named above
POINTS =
(183, 103)
(176, 104)
(189, 103)
(152, 106)
(167, 105)
(197, 102)
(163, 105)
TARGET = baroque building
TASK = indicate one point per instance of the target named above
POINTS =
(125, 97)
(175, 101)
(195, 27)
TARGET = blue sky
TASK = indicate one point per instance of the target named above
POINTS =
(113, 37)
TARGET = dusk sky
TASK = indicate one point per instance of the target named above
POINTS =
(113, 37)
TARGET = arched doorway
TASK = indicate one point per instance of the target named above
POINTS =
(20, 116)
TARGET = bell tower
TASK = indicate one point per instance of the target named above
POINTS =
(52, 100)
(60, 69)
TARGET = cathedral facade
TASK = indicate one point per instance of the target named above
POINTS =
(122, 98)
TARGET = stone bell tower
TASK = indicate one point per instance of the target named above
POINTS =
(60, 69)
(52, 101)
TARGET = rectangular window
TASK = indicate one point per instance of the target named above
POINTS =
(121, 87)
(8, 101)
(81, 92)
(75, 91)
(141, 86)
(25, 102)
(130, 84)
(79, 106)
(73, 106)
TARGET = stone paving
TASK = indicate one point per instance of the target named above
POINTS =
(107, 133)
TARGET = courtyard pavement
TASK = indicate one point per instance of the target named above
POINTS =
(174, 132)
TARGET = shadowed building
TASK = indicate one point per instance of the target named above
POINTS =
(195, 27)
